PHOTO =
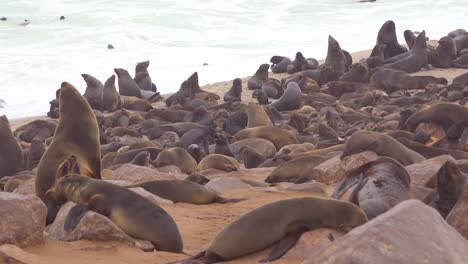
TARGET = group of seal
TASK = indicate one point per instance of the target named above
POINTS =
(316, 114)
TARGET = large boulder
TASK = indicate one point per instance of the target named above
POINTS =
(22, 219)
(410, 232)
(424, 173)
(137, 174)
(458, 217)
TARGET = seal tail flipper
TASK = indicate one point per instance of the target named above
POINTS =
(354, 197)
(223, 200)
(74, 217)
(284, 245)
(202, 258)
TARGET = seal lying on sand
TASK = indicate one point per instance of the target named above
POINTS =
(282, 221)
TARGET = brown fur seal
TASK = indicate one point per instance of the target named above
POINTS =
(358, 72)
(387, 36)
(300, 63)
(296, 170)
(272, 88)
(449, 188)
(432, 152)
(256, 81)
(279, 64)
(410, 38)
(222, 145)
(282, 221)
(183, 192)
(234, 94)
(218, 162)
(290, 100)
(461, 62)
(184, 92)
(444, 54)
(461, 42)
(142, 77)
(93, 92)
(127, 86)
(263, 146)
(335, 56)
(457, 32)
(261, 97)
(443, 114)
(110, 97)
(307, 85)
(178, 157)
(279, 137)
(257, 116)
(136, 104)
(135, 215)
(251, 157)
(381, 184)
(11, 155)
(381, 144)
(415, 59)
(36, 151)
(391, 80)
(376, 58)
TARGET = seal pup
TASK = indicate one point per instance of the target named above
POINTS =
(110, 97)
(11, 154)
(283, 222)
(290, 100)
(382, 145)
(256, 81)
(380, 185)
(279, 64)
(414, 60)
(93, 92)
(142, 77)
(234, 94)
(127, 86)
(77, 134)
(135, 215)
(444, 54)
(183, 192)
(387, 36)
(178, 157)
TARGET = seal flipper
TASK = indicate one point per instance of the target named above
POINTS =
(52, 211)
(284, 245)
(354, 197)
(74, 217)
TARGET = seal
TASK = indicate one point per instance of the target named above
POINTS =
(272, 88)
(279, 64)
(256, 81)
(135, 215)
(236, 122)
(178, 157)
(292, 217)
(461, 42)
(387, 36)
(11, 155)
(257, 116)
(77, 135)
(128, 155)
(93, 92)
(110, 97)
(410, 38)
(449, 188)
(127, 86)
(196, 153)
(457, 32)
(290, 100)
(376, 59)
(183, 192)
(296, 170)
(142, 77)
(432, 152)
(300, 63)
(443, 114)
(184, 92)
(262, 146)
(251, 157)
(381, 144)
(169, 115)
(444, 54)
(391, 80)
(461, 62)
(261, 97)
(222, 145)
(218, 162)
(414, 60)
(380, 185)
(234, 94)
(201, 116)
(279, 137)
(336, 58)
(358, 72)
(36, 151)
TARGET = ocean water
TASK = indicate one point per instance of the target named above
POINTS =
(178, 37)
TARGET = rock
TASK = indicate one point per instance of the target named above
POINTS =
(15, 255)
(310, 240)
(335, 169)
(458, 217)
(172, 169)
(119, 183)
(92, 226)
(223, 184)
(155, 199)
(137, 174)
(22, 219)
(311, 187)
(424, 173)
(26, 188)
(410, 232)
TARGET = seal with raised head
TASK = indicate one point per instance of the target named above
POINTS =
(234, 94)
(414, 60)
(142, 77)
(93, 92)
(256, 81)
(279, 64)
(127, 86)
(11, 155)
(336, 58)
(444, 54)
(290, 100)
(381, 144)
(358, 72)
(278, 136)
(183, 192)
(380, 185)
(178, 157)
(387, 35)
(77, 135)
(283, 222)
(222, 145)
(135, 215)
(110, 97)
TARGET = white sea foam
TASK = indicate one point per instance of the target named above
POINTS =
(233, 37)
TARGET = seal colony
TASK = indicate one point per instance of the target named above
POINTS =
(352, 130)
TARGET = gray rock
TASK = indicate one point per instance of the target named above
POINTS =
(223, 184)
(137, 174)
